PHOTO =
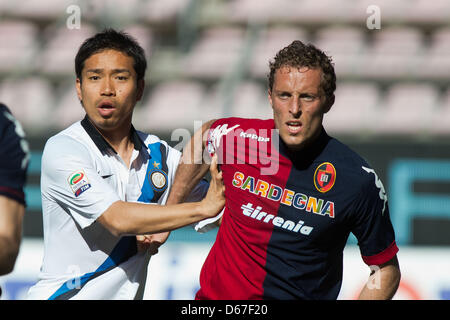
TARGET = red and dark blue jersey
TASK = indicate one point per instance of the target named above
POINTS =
(288, 215)
(14, 156)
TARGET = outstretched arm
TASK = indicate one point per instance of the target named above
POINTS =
(137, 218)
(190, 171)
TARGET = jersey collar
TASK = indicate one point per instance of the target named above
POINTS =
(102, 144)
(304, 157)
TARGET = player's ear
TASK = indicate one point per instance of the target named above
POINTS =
(140, 89)
(328, 103)
(78, 87)
(269, 94)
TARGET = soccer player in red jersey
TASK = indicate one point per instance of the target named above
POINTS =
(293, 195)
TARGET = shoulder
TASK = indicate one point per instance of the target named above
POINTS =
(344, 155)
(161, 151)
(148, 138)
(14, 156)
(152, 141)
(350, 164)
(9, 126)
(240, 127)
(71, 135)
(69, 143)
(243, 123)
(4, 112)
(13, 146)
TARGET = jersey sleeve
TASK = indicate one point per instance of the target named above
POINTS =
(372, 225)
(70, 179)
(217, 133)
(14, 157)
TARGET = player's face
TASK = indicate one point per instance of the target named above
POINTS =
(109, 89)
(298, 105)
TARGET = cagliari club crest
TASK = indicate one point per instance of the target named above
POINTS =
(324, 177)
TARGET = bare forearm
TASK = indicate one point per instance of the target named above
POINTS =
(192, 167)
(186, 179)
(138, 218)
(383, 282)
(8, 254)
(10, 232)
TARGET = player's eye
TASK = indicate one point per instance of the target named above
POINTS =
(122, 78)
(94, 78)
(308, 97)
(284, 95)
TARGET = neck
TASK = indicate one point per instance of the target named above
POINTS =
(119, 139)
(303, 157)
(306, 145)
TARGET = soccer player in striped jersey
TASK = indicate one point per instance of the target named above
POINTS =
(98, 179)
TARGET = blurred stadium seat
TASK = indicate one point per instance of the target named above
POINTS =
(37, 9)
(316, 12)
(161, 11)
(436, 62)
(248, 100)
(346, 45)
(213, 102)
(270, 41)
(143, 35)
(394, 53)
(67, 107)
(392, 12)
(251, 101)
(3, 6)
(31, 101)
(18, 45)
(215, 53)
(255, 11)
(114, 10)
(61, 45)
(424, 11)
(407, 109)
(171, 105)
(440, 121)
(355, 109)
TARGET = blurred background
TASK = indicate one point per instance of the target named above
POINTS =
(209, 59)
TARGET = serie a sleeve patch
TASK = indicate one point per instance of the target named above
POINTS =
(78, 182)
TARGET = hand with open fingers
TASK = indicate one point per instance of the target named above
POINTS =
(151, 242)
(214, 201)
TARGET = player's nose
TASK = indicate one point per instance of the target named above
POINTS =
(295, 107)
(107, 88)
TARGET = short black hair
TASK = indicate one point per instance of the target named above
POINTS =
(116, 40)
(299, 54)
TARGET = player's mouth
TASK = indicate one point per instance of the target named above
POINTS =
(294, 127)
(106, 108)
